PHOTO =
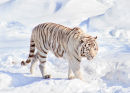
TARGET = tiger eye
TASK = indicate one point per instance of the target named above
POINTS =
(89, 44)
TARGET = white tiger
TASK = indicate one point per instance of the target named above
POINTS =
(70, 44)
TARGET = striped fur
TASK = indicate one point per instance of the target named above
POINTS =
(70, 44)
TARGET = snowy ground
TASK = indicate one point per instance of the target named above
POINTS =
(109, 72)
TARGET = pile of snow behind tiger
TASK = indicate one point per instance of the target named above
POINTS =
(109, 72)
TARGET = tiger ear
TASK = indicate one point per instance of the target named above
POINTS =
(95, 37)
(75, 28)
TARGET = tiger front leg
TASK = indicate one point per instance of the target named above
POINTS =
(75, 65)
(70, 73)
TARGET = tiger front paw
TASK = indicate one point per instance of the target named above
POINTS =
(71, 77)
(47, 76)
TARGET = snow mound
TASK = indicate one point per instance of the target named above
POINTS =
(5, 80)
(117, 78)
(114, 22)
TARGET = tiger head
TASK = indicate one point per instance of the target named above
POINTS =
(89, 47)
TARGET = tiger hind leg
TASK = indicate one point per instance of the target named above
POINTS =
(33, 63)
(42, 67)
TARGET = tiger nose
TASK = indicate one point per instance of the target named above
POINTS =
(92, 53)
(92, 56)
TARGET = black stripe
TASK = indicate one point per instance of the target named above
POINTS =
(28, 61)
(32, 45)
(77, 59)
(32, 51)
(43, 61)
(31, 55)
(43, 50)
(42, 56)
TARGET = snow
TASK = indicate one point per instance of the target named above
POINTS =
(109, 72)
